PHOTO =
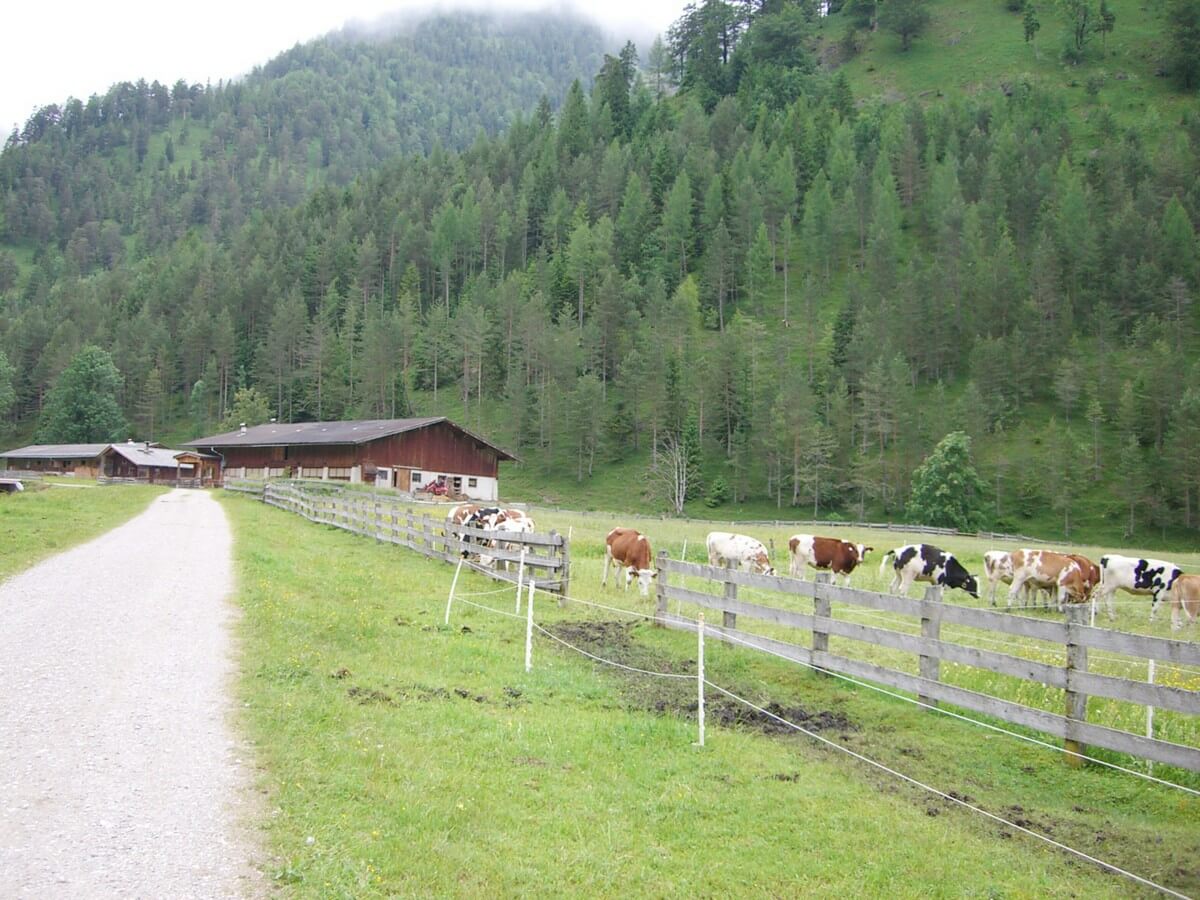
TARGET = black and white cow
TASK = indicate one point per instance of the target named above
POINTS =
(924, 562)
(486, 518)
(1135, 576)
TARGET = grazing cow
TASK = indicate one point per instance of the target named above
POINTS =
(1135, 576)
(487, 518)
(460, 513)
(924, 562)
(629, 548)
(1038, 569)
(1185, 596)
(838, 556)
(739, 551)
(1077, 580)
(512, 521)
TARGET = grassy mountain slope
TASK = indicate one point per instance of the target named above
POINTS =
(979, 45)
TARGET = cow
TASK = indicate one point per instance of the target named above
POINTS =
(513, 521)
(1038, 569)
(1135, 576)
(739, 551)
(997, 566)
(629, 548)
(838, 556)
(924, 562)
(487, 518)
(460, 513)
(1077, 580)
(1185, 597)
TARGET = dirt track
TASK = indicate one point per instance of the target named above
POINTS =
(120, 774)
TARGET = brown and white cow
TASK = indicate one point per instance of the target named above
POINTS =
(738, 551)
(1037, 569)
(628, 548)
(1185, 597)
(1076, 582)
(825, 553)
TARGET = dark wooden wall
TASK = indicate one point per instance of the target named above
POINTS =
(438, 448)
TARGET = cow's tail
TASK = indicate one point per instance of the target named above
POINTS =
(883, 563)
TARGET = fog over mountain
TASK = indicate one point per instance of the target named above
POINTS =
(166, 43)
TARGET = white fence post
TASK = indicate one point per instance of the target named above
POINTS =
(529, 628)
(520, 577)
(700, 674)
(453, 584)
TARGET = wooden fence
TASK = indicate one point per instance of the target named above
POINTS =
(384, 518)
(1076, 637)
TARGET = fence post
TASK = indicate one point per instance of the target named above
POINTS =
(660, 588)
(931, 625)
(1150, 709)
(520, 577)
(700, 673)
(729, 619)
(411, 524)
(565, 572)
(822, 609)
(1076, 700)
(529, 628)
(453, 585)
(378, 523)
(427, 531)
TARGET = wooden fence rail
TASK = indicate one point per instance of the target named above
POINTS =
(1074, 635)
(386, 519)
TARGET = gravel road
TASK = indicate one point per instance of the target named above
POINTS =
(120, 773)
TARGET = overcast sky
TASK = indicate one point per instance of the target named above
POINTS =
(52, 50)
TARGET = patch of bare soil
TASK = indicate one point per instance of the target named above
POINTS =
(616, 641)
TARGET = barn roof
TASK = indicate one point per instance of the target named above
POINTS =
(279, 434)
(56, 451)
(142, 455)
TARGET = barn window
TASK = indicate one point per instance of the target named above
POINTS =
(416, 477)
(339, 473)
(276, 472)
(472, 482)
(311, 472)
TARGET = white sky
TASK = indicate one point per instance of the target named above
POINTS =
(52, 50)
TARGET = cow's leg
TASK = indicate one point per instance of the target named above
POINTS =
(1155, 599)
(607, 560)
(628, 576)
(992, 597)
(1017, 587)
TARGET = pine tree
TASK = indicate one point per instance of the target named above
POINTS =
(82, 406)
(946, 490)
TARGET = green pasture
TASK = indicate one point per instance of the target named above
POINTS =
(403, 757)
(1132, 613)
(48, 518)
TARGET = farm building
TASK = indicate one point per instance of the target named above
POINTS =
(57, 459)
(144, 461)
(407, 454)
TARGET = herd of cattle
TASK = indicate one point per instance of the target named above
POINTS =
(1063, 577)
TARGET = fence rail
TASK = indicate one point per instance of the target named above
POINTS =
(1073, 678)
(387, 519)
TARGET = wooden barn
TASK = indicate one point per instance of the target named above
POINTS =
(143, 461)
(57, 459)
(406, 454)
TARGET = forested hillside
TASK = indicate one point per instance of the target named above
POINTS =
(737, 255)
(133, 170)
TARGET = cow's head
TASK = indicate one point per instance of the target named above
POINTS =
(763, 564)
(644, 578)
(971, 586)
(863, 550)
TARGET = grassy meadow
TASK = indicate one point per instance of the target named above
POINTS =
(47, 519)
(404, 757)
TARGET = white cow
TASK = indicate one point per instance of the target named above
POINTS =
(739, 551)
(997, 566)
(1135, 576)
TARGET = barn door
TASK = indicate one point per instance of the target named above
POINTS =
(403, 479)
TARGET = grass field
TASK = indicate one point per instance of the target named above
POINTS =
(39, 523)
(403, 757)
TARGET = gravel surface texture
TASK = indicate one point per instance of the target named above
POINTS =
(120, 772)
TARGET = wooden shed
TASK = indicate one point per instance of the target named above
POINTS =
(57, 459)
(406, 454)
